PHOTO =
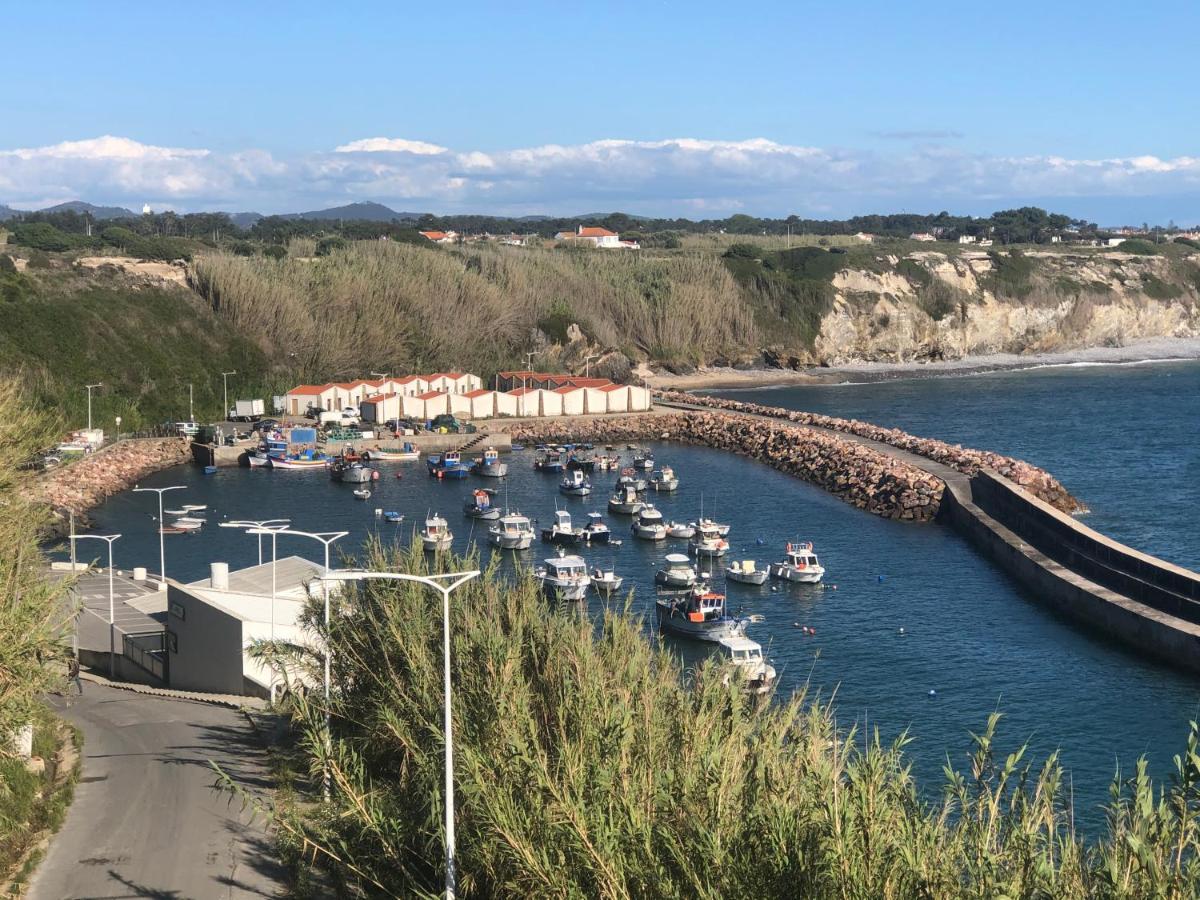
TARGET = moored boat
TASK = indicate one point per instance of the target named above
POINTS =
(308, 460)
(799, 564)
(649, 524)
(512, 531)
(447, 465)
(746, 655)
(362, 493)
(677, 572)
(680, 530)
(480, 505)
(595, 531)
(564, 577)
(699, 614)
(378, 454)
(722, 529)
(643, 459)
(707, 541)
(575, 484)
(436, 534)
(745, 571)
(625, 500)
(489, 465)
(606, 583)
(664, 481)
(550, 461)
(562, 531)
(630, 477)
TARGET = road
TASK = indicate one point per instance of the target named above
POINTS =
(147, 820)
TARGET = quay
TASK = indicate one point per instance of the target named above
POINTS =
(214, 455)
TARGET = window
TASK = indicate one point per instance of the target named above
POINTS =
(172, 642)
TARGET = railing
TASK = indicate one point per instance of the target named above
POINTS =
(147, 651)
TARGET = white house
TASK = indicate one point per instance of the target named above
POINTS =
(410, 385)
(297, 401)
(597, 237)
(482, 403)
(921, 236)
(537, 402)
(865, 236)
(571, 400)
(506, 404)
(618, 397)
(967, 238)
(436, 403)
(439, 237)
(412, 407)
(594, 399)
(460, 405)
(381, 407)
(640, 398)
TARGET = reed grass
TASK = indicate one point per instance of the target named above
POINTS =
(590, 764)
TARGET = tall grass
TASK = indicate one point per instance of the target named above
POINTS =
(398, 307)
(590, 765)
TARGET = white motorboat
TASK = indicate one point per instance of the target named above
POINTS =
(676, 573)
(195, 507)
(799, 564)
(722, 530)
(379, 454)
(436, 534)
(625, 500)
(707, 541)
(630, 477)
(575, 483)
(481, 505)
(489, 465)
(259, 458)
(362, 493)
(562, 531)
(595, 531)
(664, 481)
(606, 582)
(699, 614)
(746, 654)
(512, 531)
(643, 459)
(649, 524)
(188, 522)
(564, 577)
(181, 525)
(680, 530)
(745, 571)
(175, 512)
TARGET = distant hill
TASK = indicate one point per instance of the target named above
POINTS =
(98, 212)
(362, 212)
(7, 212)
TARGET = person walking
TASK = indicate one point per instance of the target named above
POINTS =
(73, 675)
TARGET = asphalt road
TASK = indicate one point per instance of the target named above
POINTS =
(147, 820)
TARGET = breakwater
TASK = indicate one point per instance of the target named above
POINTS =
(855, 473)
(968, 461)
(80, 485)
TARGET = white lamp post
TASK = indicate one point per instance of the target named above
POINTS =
(264, 524)
(456, 580)
(587, 364)
(112, 635)
(89, 390)
(225, 382)
(162, 550)
(118, 437)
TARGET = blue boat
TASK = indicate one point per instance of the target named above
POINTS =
(447, 465)
(551, 461)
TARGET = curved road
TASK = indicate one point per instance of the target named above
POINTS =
(147, 821)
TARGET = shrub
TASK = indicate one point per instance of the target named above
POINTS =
(274, 251)
(743, 250)
(7, 266)
(939, 299)
(328, 245)
(241, 248)
(1141, 248)
(1011, 275)
(1157, 289)
(44, 236)
(1188, 242)
(39, 260)
(914, 272)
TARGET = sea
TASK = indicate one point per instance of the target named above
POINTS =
(913, 632)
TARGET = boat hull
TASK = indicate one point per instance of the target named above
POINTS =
(505, 542)
(709, 551)
(595, 537)
(676, 622)
(757, 577)
(497, 470)
(572, 592)
(473, 512)
(650, 532)
(432, 545)
(388, 456)
(811, 575)
(355, 475)
(626, 509)
(669, 580)
(297, 464)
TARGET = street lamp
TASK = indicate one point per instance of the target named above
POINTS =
(112, 636)
(457, 579)
(89, 390)
(265, 523)
(587, 364)
(162, 550)
(118, 437)
(225, 382)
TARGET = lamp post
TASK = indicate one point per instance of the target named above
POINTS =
(264, 524)
(587, 364)
(162, 551)
(225, 382)
(456, 580)
(112, 621)
(191, 405)
(89, 390)
(118, 437)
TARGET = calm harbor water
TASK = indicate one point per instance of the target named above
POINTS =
(1123, 438)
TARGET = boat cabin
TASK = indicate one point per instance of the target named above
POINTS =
(801, 556)
(704, 606)
(483, 499)
(490, 456)
(562, 521)
(436, 527)
(678, 562)
(515, 525)
(566, 568)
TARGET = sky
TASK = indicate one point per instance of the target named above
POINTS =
(694, 109)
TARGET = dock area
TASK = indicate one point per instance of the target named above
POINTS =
(211, 455)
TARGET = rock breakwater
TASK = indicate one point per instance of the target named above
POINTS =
(1037, 481)
(859, 475)
(78, 486)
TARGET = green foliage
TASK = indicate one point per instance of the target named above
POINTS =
(1188, 242)
(1157, 289)
(275, 251)
(557, 319)
(1011, 275)
(939, 299)
(154, 247)
(328, 245)
(44, 236)
(38, 259)
(1141, 248)
(241, 248)
(7, 266)
(914, 272)
(744, 251)
(14, 287)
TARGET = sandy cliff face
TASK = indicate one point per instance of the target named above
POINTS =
(956, 309)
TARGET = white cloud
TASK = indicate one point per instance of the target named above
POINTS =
(685, 176)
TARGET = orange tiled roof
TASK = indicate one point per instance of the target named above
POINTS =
(310, 389)
(429, 395)
(478, 392)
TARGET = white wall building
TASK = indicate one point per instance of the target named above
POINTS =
(571, 399)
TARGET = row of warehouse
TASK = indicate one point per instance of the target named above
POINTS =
(395, 398)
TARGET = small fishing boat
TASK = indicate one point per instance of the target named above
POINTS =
(649, 524)
(436, 534)
(643, 459)
(746, 571)
(699, 614)
(664, 481)
(392, 517)
(575, 484)
(447, 465)
(550, 461)
(307, 460)
(562, 531)
(512, 531)
(722, 530)
(480, 506)
(630, 477)
(377, 454)
(564, 577)
(362, 493)
(259, 458)
(171, 529)
(489, 465)
(179, 525)
(595, 531)
(350, 472)
(175, 512)
(680, 530)
(625, 500)
(677, 572)
(516, 447)
(606, 583)
(708, 542)
(581, 463)
(608, 463)
(799, 564)
(189, 522)
(195, 507)
(746, 654)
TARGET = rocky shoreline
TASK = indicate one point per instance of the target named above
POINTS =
(856, 474)
(966, 460)
(81, 485)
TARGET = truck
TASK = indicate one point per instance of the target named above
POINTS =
(246, 410)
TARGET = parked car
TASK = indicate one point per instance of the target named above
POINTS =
(339, 417)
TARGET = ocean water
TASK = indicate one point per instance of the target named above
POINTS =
(970, 635)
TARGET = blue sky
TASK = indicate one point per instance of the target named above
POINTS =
(821, 109)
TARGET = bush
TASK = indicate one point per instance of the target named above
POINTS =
(39, 260)
(1011, 275)
(44, 236)
(146, 247)
(914, 272)
(1141, 248)
(1188, 242)
(744, 251)
(274, 251)
(326, 246)
(1157, 289)
(7, 266)
(939, 299)
(241, 248)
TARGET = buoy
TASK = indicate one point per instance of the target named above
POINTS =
(932, 693)
(795, 624)
(812, 631)
(834, 587)
(398, 475)
(375, 476)
(881, 579)
(761, 541)
(902, 631)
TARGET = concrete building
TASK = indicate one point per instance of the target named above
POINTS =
(482, 403)
(618, 397)
(435, 403)
(380, 407)
(640, 399)
(212, 624)
(572, 399)
(460, 405)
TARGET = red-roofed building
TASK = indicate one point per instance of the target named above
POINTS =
(439, 237)
(597, 237)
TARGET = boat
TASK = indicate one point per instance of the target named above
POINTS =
(746, 654)
(664, 481)
(179, 525)
(595, 531)
(643, 459)
(516, 447)
(649, 524)
(170, 529)
(489, 465)
(562, 531)
(480, 506)
(745, 571)
(575, 484)
(512, 531)
(564, 577)
(677, 572)
(350, 472)
(447, 465)
(259, 458)
(550, 461)
(377, 454)
(581, 463)
(680, 529)
(630, 477)
(698, 614)
(799, 564)
(307, 460)
(707, 541)
(436, 534)
(625, 500)
(606, 583)
(608, 463)
(175, 512)
(195, 507)
(722, 530)
(392, 517)
(362, 493)
(188, 522)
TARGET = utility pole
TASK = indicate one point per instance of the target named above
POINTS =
(587, 364)
(89, 392)
(225, 382)
(191, 405)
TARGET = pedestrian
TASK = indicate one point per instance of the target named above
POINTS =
(73, 675)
